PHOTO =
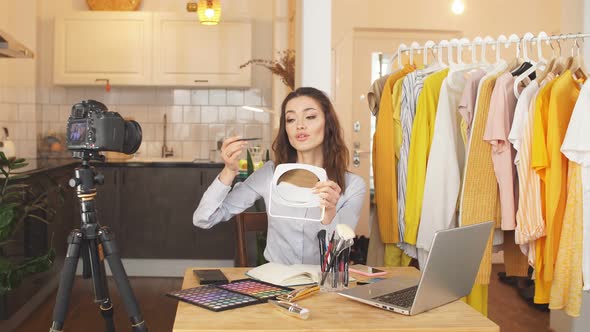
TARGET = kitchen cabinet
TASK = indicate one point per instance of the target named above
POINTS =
(150, 49)
(152, 208)
(91, 47)
(187, 53)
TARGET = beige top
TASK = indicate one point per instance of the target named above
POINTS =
(374, 94)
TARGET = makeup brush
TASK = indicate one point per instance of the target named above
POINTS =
(322, 244)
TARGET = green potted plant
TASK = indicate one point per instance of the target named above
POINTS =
(19, 203)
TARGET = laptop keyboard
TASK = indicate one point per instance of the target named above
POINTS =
(402, 298)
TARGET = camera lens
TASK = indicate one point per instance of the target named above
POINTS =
(132, 137)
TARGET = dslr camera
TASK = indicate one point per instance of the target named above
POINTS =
(92, 128)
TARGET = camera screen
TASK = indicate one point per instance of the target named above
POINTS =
(77, 133)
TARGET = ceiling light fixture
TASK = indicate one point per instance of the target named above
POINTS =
(209, 11)
(458, 7)
(257, 109)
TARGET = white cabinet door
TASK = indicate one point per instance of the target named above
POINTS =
(187, 53)
(94, 46)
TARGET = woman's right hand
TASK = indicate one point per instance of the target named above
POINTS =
(231, 149)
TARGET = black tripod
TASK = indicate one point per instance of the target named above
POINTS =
(96, 243)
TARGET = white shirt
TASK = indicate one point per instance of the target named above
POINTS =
(288, 241)
(520, 117)
(576, 147)
(444, 168)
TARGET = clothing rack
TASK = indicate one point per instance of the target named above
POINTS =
(479, 41)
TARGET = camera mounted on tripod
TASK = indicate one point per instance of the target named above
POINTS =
(93, 128)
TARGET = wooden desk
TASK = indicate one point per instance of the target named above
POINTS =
(330, 312)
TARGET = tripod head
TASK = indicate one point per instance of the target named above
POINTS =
(85, 177)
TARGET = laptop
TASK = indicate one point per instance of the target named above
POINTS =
(449, 274)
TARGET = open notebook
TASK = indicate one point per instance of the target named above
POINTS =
(286, 275)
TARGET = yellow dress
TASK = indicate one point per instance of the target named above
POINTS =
(566, 288)
(422, 133)
(554, 167)
(385, 175)
(394, 256)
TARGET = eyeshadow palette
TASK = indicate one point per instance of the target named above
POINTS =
(236, 294)
(213, 298)
(256, 288)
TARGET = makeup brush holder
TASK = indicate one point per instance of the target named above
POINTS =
(333, 282)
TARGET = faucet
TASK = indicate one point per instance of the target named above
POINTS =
(165, 152)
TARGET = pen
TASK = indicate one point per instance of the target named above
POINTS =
(291, 309)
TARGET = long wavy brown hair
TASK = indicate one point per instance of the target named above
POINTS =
(335, 152)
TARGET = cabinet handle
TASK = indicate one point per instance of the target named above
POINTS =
(201, 178)
(108, 83)
(115, 177)
(201, 81)
(123, 177)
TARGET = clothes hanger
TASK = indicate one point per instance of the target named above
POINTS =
(517, 61)
(428, 46)
(561, 63)
(453, 43)
(462, 66)
(476, 41)
(413, 47)
(540, 59)
(577, 66)
(441, 44)
(500, 39)
(486, 41)
(523, 56)
(530, 73)
(400, 49)
(460, 44)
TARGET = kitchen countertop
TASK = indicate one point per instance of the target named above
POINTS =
(39, 165)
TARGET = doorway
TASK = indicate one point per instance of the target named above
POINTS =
(354, 67)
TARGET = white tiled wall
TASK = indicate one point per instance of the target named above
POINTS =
(195, 118)
(18, 113)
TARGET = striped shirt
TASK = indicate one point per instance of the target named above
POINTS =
(529, 218)
(411, 88)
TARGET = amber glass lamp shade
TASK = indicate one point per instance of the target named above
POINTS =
(209, 12)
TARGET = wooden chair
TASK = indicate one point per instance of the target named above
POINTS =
(247, 222)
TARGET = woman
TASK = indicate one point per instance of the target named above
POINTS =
(309, 133)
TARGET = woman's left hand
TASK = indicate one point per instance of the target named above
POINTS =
(329, 192)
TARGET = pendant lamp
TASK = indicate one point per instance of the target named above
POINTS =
(209, 11)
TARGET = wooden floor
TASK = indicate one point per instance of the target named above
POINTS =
(505, 308)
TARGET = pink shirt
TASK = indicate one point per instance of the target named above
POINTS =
(469, 96)
(502, 106)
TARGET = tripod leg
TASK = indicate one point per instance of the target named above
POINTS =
(111, 253)
(100, 285)
(66, 281)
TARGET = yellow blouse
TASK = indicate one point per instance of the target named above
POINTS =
(422, 133)
(554, 165)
